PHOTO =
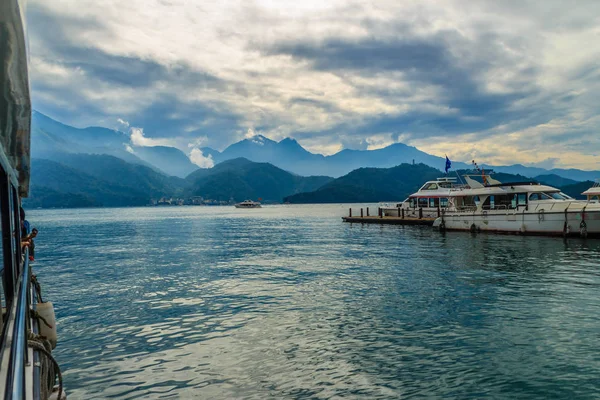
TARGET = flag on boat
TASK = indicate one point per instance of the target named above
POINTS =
(448, 164)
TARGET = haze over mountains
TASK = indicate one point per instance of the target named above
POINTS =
(51, 139)
(96, 166)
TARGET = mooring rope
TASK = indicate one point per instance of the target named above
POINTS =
(38, 288)
(35, 314)
(49, 366)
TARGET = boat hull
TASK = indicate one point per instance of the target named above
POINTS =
(569, 223)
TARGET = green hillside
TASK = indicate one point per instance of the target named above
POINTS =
(114, 170)
(371, 185)
(554, 180)
(85, 180)
(57, 185)
(576, 189)
(241, 179)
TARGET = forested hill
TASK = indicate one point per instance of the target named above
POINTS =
(92, 180)
(241, 179)
(371, 185)
(88, 180)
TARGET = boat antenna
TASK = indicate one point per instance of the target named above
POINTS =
(459, 178)
(483, 177)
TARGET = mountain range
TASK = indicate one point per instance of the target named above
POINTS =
(290, 155)
(96, 166)
(100, 180)
(371, 185)
(52, 139)
(243, 179)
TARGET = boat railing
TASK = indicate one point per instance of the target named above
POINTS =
(466, 209)
(496, 207)
(18, 354)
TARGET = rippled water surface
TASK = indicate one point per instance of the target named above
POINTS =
(288, 302)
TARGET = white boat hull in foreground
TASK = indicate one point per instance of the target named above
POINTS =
(492, 206)
(574, 222)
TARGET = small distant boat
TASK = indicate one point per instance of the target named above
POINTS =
(248, 204)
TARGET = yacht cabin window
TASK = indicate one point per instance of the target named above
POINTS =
(423, 201)
(430, 186)
(539, 196)
(519, 199)
(443, 202)
(559, 196)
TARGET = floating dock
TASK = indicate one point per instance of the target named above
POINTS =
(390, 220)
(381, 218)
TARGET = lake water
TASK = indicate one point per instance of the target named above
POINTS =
(288, 302)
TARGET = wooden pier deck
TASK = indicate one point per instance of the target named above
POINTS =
(381, 218)
(389, 220)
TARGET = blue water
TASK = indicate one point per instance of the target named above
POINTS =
(288, 302)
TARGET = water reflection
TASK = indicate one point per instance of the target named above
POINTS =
(288, 302)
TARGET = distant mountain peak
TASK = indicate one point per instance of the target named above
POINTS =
(259, 140)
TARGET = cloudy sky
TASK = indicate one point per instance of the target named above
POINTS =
(499, 81)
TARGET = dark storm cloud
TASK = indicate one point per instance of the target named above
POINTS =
(422, 62)
(65, 48)
(168, 116)
(171, 117)
(350, 73)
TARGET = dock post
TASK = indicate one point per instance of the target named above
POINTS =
(403, 213)
(350, 213)
(380, 212)
(361, 212)
(367, 211)
(420, 213)
(438, 211)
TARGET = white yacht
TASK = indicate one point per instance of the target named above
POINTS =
(593, 193)
(427, 202)
(248, 204)
(520, 207)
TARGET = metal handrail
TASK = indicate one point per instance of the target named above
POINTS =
(15, 383)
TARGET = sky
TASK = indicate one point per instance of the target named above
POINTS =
(501, 82)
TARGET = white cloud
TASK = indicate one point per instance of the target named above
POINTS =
(138, 139)
(249, 134)
(200, 159)
(199, 141)
(123, 122)
(542, 53)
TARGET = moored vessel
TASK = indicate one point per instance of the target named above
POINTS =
(248, 204)
(519, 207)
(493, 206)
(593, 193)
(427, 202)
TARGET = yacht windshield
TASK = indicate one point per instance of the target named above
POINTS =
(539, 196)
(566, 196)
(558, 196)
